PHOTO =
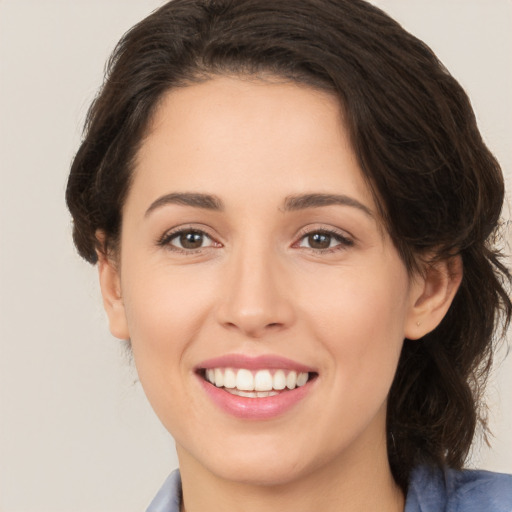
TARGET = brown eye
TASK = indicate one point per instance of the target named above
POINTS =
(324, 240)
(319, 240)
(189, 240)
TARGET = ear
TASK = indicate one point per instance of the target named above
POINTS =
(110, 284)
(432, 294)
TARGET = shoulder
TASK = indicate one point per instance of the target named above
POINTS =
(457, 491)
(430, 490)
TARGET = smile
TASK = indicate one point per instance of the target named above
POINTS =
(255, 388)
(255, 384)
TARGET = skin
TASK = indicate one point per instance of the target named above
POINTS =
(257, 286)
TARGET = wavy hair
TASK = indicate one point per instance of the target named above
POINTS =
(439, 189)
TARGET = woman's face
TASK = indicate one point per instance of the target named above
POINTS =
(252, 252)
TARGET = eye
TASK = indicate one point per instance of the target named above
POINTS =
(324, 241)
(187, 240)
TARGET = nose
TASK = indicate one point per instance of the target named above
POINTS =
(257, 297)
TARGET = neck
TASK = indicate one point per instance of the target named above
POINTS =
(352, 483)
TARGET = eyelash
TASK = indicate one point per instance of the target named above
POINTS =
(168, 237)
(344, 242)
(165, 241)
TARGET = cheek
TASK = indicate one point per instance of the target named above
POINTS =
(361, 324)
(165, 310)
(165, 314)
(366, 301)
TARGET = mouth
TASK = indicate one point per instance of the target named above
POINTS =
(261, 383)
(255, 388)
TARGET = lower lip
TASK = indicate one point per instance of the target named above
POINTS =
(255, 408)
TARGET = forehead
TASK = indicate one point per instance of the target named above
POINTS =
(271, 137)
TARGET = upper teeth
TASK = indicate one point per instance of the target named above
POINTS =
(261, 380)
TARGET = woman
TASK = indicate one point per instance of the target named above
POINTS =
(293, 215)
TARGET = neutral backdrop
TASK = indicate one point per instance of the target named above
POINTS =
(76, 433)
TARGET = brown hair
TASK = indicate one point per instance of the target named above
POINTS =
(438, 187)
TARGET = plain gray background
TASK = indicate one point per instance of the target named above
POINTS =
(76, 433)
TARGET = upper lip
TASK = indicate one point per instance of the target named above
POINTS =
(266, 361)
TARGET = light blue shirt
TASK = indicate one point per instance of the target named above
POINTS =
(430, 490)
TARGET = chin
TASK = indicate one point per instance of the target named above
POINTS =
(266, 462)
(260, 472)
(254, 462)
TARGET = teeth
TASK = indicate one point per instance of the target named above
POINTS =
(291, 380)
(244, 380)
(302, 378)
(279, 380)
(262, 383)
(229, 379)
(247, 394)
(219, 377)
(262, 394)
(252, 394)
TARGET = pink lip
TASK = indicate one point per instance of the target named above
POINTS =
(270, 362)
(255, 408)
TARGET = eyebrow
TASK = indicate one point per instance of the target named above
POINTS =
(194, 199)
(291, 203)
(304, 201)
